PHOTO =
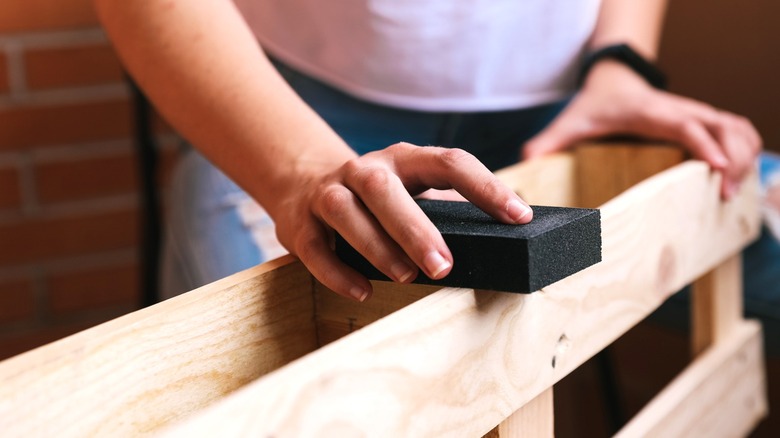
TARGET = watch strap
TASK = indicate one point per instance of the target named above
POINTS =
(625, 54)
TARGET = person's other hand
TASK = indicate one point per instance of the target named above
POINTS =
(368, 200)
(616, 101)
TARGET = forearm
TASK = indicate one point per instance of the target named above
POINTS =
(203, 69)
(635, 22)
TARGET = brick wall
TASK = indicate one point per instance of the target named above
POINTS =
(68, 187)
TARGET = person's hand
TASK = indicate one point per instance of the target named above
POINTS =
(616, 101)
(368, 200)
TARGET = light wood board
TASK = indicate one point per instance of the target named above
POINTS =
(721, 394)
(139, 372)
(457, 362)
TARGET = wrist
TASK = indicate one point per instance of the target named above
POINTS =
(612, 74)
(625, 56)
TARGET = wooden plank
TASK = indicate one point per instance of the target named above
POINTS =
(722, 393)
(716, 304)
(604, 170)
(458, 362)
(337, 316)
(547, 180)
(134, 374)
(556, 180)
(535, 419)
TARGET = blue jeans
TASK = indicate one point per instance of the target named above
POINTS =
(213, 233)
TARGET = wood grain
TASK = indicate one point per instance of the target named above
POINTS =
(605, 170)
(548, 180)
(535, 419)
(722, 393)
(457, 362)
(716, 304)
(132, 375)
(428, 362)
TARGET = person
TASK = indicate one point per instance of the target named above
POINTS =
(324, 114)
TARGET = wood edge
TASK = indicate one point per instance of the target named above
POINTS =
(692, 170)
(696, 378)
(73, 342)
(56, 372)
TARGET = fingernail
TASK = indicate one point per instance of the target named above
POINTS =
(359, 293)
(517, 210)
(401, 271)
(435, 264)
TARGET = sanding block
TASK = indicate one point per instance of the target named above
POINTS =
(491, 255)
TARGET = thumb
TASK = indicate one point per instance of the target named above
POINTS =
(555, 137)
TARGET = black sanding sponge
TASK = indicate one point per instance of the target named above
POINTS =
(513, 258)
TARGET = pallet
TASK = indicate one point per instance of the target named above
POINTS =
(271, 352)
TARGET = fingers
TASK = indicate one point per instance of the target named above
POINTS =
(701, 143)
(388, 200)
(313, 250)
(728, 142)
(369, 202)
(569, 128)
(442, 168)
(343, 211)
(741, 145)
(385, 191)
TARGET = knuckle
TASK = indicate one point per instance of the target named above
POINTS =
(306, 247)
(353, 166)
(454, 158)
(402, 145)
(708, 108)
(398, 149)
(334, 200)
(689, 128)
(490, 188)
(369, 248)
(374, 181)
(728, 121)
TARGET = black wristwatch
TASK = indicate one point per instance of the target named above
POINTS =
(625, 54)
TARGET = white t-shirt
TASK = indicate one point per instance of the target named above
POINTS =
(431, 55)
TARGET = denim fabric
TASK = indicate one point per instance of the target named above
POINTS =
(761, 260)
(206, 239)
(493, 137)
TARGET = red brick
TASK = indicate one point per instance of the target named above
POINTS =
(92, 290)
(10, 190)
(4, 81)
(89, 178)
(29, 15)
(73, 66)
(17, 301)
(52, 125)
(42, 239)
